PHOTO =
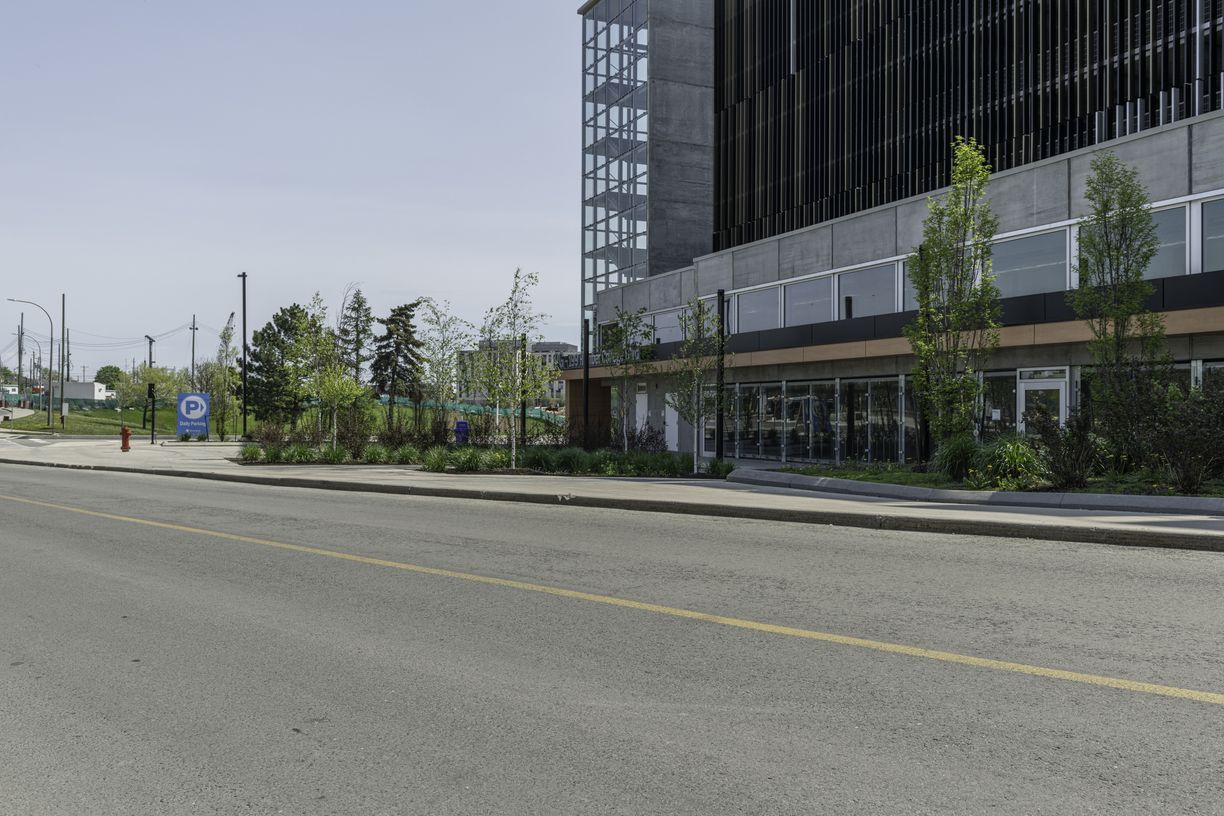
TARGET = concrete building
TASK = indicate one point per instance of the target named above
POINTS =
(822, 173)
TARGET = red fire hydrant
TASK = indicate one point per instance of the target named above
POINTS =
(126, 436)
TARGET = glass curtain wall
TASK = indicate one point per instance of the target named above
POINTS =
(614, 182)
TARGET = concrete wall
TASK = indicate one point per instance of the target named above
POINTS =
(1180, 159)
(680, 207)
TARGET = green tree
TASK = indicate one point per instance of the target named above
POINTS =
(355, 332)
(444, 337)
(396, 367)
(167, 383)
(1117, 242)
(957, 327)
(692, 393)
(317, 350)
(276, 375)
(220, 379)
(626, 348)
(108, 375)
(508, 374)
(338, 390)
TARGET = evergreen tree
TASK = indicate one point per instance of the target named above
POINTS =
(396, 366)
(354, 333)
(276, 378)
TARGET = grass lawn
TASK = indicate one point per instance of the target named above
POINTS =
(98, 422)
(881, 474)
(1140, 483)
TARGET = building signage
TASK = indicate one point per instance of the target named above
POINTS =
(193, 414)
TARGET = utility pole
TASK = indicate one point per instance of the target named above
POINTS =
(244, 355)
(63, 341)
(20, 358)
(151, 396)
(194, 329)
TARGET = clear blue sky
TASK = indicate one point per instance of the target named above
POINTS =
(150, 151)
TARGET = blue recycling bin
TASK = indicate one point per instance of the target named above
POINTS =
(461, 432)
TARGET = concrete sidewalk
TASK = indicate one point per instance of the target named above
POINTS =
(697, 497)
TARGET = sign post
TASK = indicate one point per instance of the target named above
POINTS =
(193, 411)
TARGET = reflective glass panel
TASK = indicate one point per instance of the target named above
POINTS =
(809, 301)
(798, 421)
(757, 310)
(1027, 266)
(855, 430)
(1170, 258)
(1213, 236)
(748, 426)
(867, 292)
(667, 327)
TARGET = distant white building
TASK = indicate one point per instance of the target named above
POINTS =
(549, 352)
(83, 391)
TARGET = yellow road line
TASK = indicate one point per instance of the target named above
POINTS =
(1213, 698)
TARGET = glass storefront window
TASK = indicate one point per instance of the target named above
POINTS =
(913, 445)
(885, 420)
(998, 405)
(773, 422)
(909, 295)
(756, 311)
(748, 421)
(798, 421)
(1213, 236)
(853, 427)
(867, 292)
(1213, 374)
(1028, 266)
(1170, 258)
(809, 301)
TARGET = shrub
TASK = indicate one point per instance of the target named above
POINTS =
(300, 454)
(467, 459)
(572, 460)
(1072, 453)
(537, 458)
(720, 469)
(271, 435)
(1190, 439)
(605, 462)
(202, 437)
(956, 456)
(184, 437)
(497, 459)
(1008, 463)
(333, 456)
(407, 455)
(375, 455)
(250, 453)
(274, 455)
(436, 459)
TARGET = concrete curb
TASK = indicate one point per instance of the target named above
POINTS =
(1189, 505)
(981, 527)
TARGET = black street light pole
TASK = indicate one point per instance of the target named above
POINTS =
(586, 383)
(50, 351)
(194, 329)
(244, 355)
(63, 342)
(720, 399)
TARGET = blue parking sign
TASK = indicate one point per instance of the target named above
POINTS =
(193, 414)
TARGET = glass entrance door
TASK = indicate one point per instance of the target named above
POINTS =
(1048, 394)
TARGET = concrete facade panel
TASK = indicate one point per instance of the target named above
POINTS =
(910, 215)
(713, 273)
(664, 291)
(865, 238)
(636, 296)
(607, 302)
(1207, 171)
(754, 265)
(681, 51)
(806, 252)
(1030, 197)
(688, 285)
(1162, 158)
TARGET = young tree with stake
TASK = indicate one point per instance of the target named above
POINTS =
(957, 327)
(693, 369)
(626, 348)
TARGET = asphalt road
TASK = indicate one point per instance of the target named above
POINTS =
(160, 670)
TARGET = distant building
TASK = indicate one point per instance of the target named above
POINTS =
(551, 353)
(96, 391)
